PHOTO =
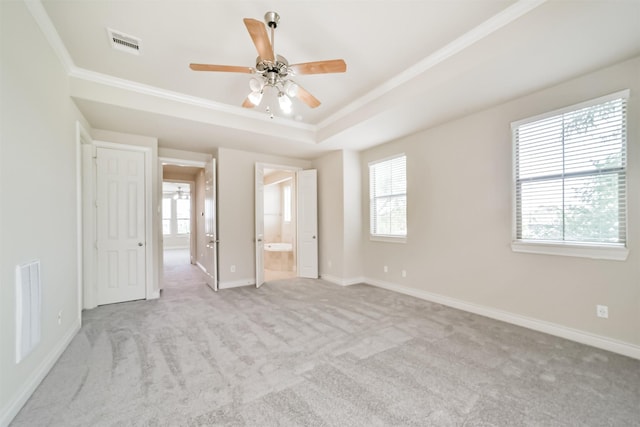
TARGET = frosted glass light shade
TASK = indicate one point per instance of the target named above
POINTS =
(255, 97)
(290, 88)
(256, 85)
(285, 102)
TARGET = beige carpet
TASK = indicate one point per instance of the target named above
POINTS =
(308, 353)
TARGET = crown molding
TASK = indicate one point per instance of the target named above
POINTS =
(128, 85)
(46, 26)
(41, 17)
(486, 28)
(476, 34)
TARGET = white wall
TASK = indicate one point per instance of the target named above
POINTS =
(38, 185)
(181, 156)
(459, 220)
(236, 211)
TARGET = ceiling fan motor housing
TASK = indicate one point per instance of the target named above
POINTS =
(279, 68)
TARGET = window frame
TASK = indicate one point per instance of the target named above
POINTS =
(391, 238)
(606, 251)
(287, 205)
(173, 219)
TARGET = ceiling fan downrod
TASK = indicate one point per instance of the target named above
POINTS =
(272, 19)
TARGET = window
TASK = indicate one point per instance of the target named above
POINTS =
(286, 193)
(570, 178)
(166, 215)
(388, 198)
(183, 215)
(176, 209)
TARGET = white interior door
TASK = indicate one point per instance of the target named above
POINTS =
(211, 247)
(308, 224)
(120, 227)
(259, 236)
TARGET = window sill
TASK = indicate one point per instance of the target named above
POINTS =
(388, 239)
(615, 253)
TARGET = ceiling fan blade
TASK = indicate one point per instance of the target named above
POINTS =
(224, 68)
(320, 67)
(247, 103)
(258, 33)
(307, 98)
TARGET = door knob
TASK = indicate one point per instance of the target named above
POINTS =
(313, 237)
(139, 243)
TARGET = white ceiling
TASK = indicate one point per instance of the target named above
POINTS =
(410, 64)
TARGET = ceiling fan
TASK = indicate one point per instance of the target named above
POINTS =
(274, 70)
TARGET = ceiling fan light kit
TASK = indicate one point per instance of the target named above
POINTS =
(274, 70)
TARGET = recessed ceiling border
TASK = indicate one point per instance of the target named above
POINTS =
(476, 34)
(496, 22)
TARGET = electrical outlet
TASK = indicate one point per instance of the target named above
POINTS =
(404, 273)
(385, 269)
(602, 311)
(233, 268)
(60, 317)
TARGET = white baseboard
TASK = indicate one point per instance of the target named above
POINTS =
(342, 282)
(598, 341)
(24, 393)
(236, 283)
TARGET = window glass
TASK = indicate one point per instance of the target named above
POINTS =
(388, 197)
(570, 175)
(183, 216)
(286, 203)
(166, 215)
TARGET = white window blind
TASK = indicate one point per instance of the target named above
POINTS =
(388, 197)
(570, 174)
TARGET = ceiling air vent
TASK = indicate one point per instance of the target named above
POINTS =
(124, 42)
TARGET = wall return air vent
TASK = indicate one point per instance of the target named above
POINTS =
(124, 42)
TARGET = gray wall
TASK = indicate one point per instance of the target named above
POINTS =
(339, 217)
(459, 220)
(236, 211)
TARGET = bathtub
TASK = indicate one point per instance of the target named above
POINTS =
(278, 247)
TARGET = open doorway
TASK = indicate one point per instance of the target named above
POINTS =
(181, 188)
(279, 224)
(292, 242)
(176, 222)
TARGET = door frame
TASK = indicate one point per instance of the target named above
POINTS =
(263, 165)
(89, 219)
(85, 257)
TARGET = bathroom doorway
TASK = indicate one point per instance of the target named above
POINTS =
(280, 224)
